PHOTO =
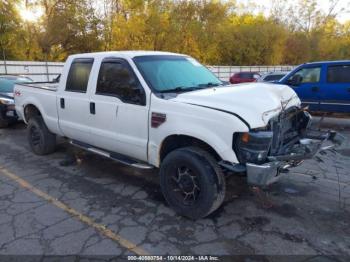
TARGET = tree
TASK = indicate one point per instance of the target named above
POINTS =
(251, 40)
(9, 24)
(213, 31)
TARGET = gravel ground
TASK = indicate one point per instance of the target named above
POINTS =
(99, 207)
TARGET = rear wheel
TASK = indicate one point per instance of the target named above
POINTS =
(41, 140)
(192, 182)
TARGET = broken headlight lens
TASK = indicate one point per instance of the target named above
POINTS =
(252, 147)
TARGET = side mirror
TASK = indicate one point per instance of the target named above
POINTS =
(138, 95)
(295, 80)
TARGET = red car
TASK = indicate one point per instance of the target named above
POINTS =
(244, 77)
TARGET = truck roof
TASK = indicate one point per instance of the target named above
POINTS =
(130, 54)
(329, 62)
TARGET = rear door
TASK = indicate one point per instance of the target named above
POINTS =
(119, 121)
(335, 93)
(73, 102)
(309, 88)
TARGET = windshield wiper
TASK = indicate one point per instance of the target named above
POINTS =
(190, 88)
(178, 89)
(209, 84)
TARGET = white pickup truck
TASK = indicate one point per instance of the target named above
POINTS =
(167, 111)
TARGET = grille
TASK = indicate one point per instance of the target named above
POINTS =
(280, 137)
(287, 129)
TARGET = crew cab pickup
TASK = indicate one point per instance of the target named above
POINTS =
(167, 111)
(322, 86)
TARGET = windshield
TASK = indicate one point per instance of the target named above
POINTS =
(175, 73)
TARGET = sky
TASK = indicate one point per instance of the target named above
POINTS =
(323, 4)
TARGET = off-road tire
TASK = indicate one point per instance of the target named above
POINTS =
(41, 140)
(209, 177)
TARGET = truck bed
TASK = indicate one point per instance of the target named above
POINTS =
(51, 86)
(43, 95)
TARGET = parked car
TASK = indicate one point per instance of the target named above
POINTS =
(323, 86)
(271, 76)
(167, 111)
(7, 105)
(244, 77)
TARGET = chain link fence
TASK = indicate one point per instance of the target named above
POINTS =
(47, 71)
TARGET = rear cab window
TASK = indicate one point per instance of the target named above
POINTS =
(338, 74)
(79, 74)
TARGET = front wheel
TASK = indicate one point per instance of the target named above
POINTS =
(192, 182)
(41, 140)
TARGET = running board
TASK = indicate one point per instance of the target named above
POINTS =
(114, 156)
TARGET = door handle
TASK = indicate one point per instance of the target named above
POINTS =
(62, 103)
(92, 108)
(315, 89)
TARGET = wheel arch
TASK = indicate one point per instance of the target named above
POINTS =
(31, 110)
(173, 142)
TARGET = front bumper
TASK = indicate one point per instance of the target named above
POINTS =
(8, 113)
(312, 143)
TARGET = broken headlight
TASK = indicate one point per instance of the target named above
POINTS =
(252, 147)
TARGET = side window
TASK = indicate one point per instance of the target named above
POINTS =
(245, 75)
(79, 73)
(338, 74)
(309, 75)
(116, 78)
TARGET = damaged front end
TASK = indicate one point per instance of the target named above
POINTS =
(286, 142)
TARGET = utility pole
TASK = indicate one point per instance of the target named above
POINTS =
(3, 56)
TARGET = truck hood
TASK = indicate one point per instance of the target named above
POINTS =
(254, 103)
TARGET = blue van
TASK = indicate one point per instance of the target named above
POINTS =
(323, 86)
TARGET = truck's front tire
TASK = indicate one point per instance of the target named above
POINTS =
(41, 140)
(192, 182)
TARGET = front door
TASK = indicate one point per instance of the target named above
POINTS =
(119, 122)
(309, 88)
